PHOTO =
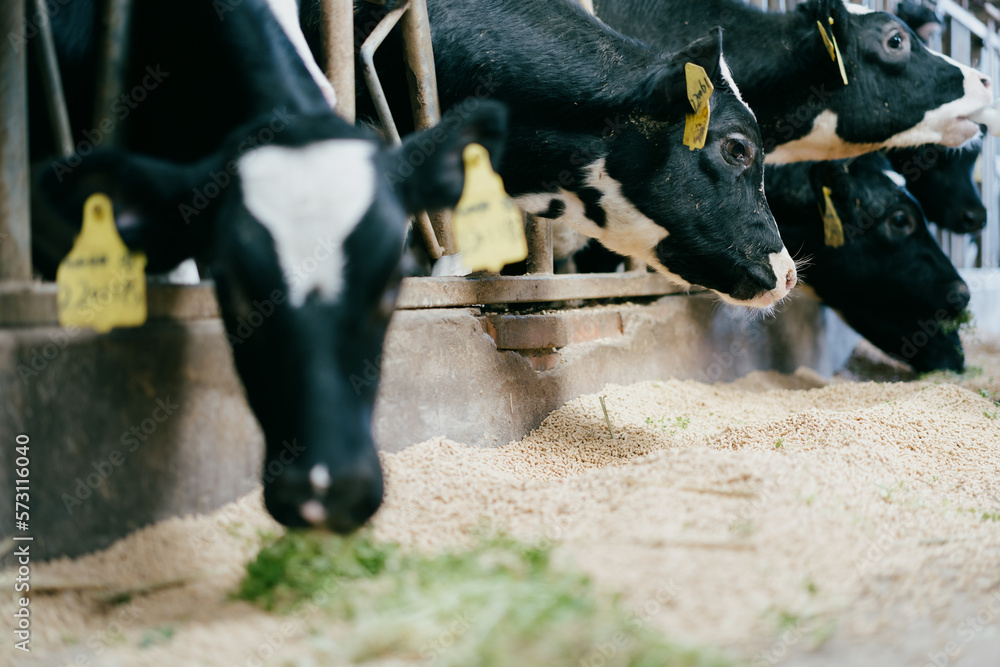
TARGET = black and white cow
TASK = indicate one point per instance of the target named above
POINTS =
(940, 177)
(595, 143)
(899, 92)
(302, 219)
(890, 280)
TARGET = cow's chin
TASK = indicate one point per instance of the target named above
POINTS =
(766, 301)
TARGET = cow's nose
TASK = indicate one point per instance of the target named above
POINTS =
(959, 295)
(973, 220)
(790, 279)
(986, 81)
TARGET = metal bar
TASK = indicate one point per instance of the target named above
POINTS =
(990, 238)
(961, 51)
(419, 56)
(338, 41)
(963, 16)
(111, 75)
(426, 230)
(55, 97)
(451, 291)
(367, 53)
(34, 304)
(15, 220)
(539, 233)
(632, 264)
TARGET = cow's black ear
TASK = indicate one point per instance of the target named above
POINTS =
(665, 87)
(427, 172)
(833, 175)
(823, 11)
(161, 208)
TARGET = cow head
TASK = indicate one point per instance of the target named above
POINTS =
(940, 178)
(698, 216)
(304, 237)
(889, 280)
(899, 92)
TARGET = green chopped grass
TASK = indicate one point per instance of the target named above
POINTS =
(498, 603)
(961, 322)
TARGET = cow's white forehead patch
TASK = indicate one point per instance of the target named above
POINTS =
(857, 9)
(728, 76)
(310, 199)
(896, 178)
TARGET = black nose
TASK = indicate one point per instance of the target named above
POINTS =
(753, 280)
(973, 219)
(353, 500)
(958, 296)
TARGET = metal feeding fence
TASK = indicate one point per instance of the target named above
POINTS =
(965, 37)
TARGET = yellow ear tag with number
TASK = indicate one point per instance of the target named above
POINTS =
(489, 230)
(833, 229)
(102, 284)
(830, 42)
(699, 93)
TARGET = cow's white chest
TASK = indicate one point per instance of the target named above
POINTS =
(310, 199)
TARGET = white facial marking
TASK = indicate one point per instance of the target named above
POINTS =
(728, 76)
(319, 477)
(857, 9)
(287, 13)
(313, 512)
(948, 124)
(310, 199)
(896, 178)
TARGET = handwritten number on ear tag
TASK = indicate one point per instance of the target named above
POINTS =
(101, 284)
(489, 230)
(830, 42)
(699, 93)
(833, 229)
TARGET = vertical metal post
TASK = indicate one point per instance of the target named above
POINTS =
(111, 75)
(539, 236)
(338, 40)
(15, 226)
(990, 238)
(961, 50)
(55, 98)
(419, 56)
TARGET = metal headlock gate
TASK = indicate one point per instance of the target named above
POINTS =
(964, 34)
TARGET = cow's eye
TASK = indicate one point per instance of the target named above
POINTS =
(895, 41)
(737, 152)
(901, 222)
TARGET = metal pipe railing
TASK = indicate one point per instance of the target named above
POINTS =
(114, 57)
(55, 98)
(338, 41)
(15, 219)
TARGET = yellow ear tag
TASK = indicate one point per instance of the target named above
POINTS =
(489, 229)
(830, 42)
(101, 284)
(833, 230)
(699, 93)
